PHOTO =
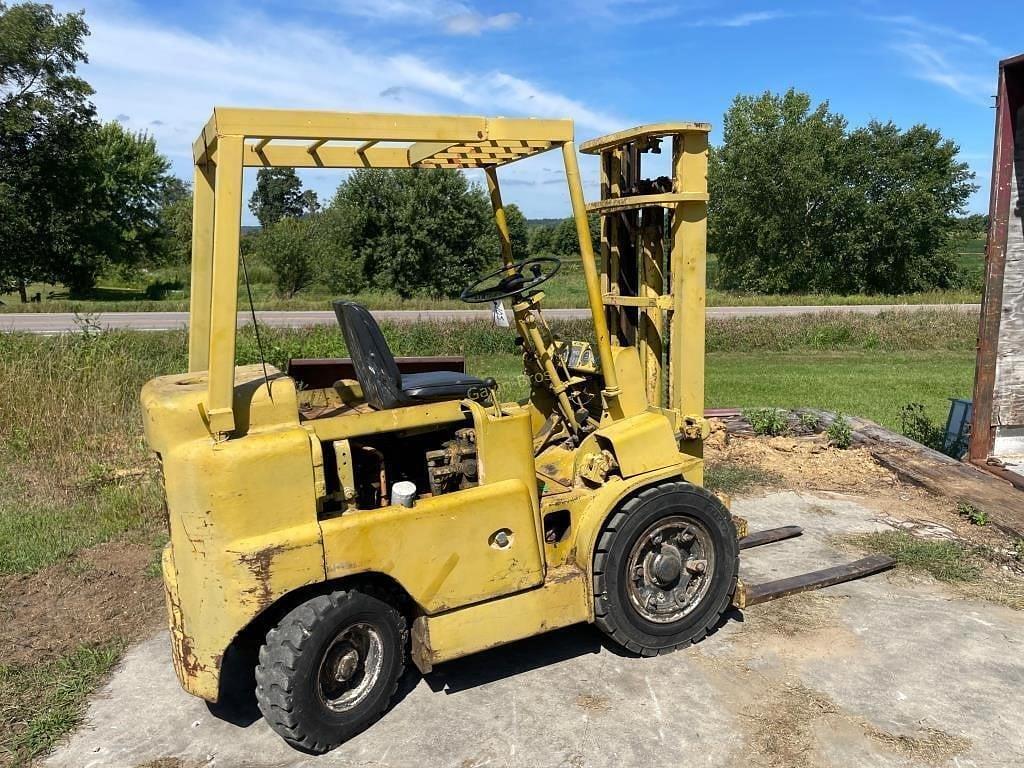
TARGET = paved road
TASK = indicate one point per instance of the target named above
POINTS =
(54, 323)
(887, 672)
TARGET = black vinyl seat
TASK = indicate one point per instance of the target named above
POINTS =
(383, 384)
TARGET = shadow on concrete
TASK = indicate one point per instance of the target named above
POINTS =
(238, 703)
(514, 659)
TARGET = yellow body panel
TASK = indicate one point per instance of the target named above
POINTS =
(562, 601)
(641, 443)
(567, 594)
(442, 550)
(243, 526)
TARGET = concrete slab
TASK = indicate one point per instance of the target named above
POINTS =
(888, 671)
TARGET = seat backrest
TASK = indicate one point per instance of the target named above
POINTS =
(375, 366)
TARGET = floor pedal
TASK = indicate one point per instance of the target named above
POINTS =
(769, 536)
(753, 594)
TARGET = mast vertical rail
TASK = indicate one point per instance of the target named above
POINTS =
(689, 276)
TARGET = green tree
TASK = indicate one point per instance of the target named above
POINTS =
(974, 224)
(799, 203)
(541, 238)
(409, 231)
(122, 225)
(518, 230)
(278, 195)
(288, 248)
(519, 235)
(904, 189)
(565, 240)
(773, 193)
(176, 223)
(75, 196)
(45, 118)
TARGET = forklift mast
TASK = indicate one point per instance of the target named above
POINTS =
(653, 262)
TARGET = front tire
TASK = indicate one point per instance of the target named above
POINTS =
(328, 670)
(665, 568)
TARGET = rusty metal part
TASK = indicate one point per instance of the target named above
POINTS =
(752, 594)
(1001, 472)
(769, 536)
(383, 474)
(695, 428)
(595, 467)
(454, 466)
(350, 667)
(669, 569)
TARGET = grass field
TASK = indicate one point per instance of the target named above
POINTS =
(74, 471)
(565, 290)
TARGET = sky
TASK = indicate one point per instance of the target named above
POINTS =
(160, 66)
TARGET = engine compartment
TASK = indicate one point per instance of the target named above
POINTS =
(360, 472)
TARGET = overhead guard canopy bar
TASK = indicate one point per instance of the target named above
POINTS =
(237, 138)
(435, 141)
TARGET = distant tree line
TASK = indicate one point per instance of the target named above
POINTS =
(402, 231)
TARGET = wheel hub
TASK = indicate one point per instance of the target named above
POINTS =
(350, 666)
(669, 569)
(346, 665)
(666, 566)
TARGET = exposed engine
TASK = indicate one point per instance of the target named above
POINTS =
(453, 466)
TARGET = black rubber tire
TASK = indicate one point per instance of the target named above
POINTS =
(615, 615)
(287, 685)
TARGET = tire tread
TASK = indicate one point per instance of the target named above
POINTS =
(279, 657)
(605, 618)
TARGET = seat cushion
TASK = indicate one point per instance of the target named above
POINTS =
(442, 385)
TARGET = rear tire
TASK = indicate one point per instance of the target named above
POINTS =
(328, 670)
(665, 568)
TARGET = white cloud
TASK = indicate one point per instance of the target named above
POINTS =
(453, 18)
(742, 20)
(625, 11)
(933, 66)
(474, 23)
(914, 25)
(958, 61)
(168, 80)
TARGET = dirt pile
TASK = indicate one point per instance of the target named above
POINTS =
(801, 462)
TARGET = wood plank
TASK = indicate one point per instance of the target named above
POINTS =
(940, 474)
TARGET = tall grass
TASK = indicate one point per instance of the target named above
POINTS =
(887, 332)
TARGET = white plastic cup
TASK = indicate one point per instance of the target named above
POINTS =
(403, 493)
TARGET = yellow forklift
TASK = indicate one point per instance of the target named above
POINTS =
(325, 529)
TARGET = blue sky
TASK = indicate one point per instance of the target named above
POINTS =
(609, 64)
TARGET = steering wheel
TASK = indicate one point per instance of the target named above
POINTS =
(512, 280)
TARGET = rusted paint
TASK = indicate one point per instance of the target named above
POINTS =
(259, 564)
